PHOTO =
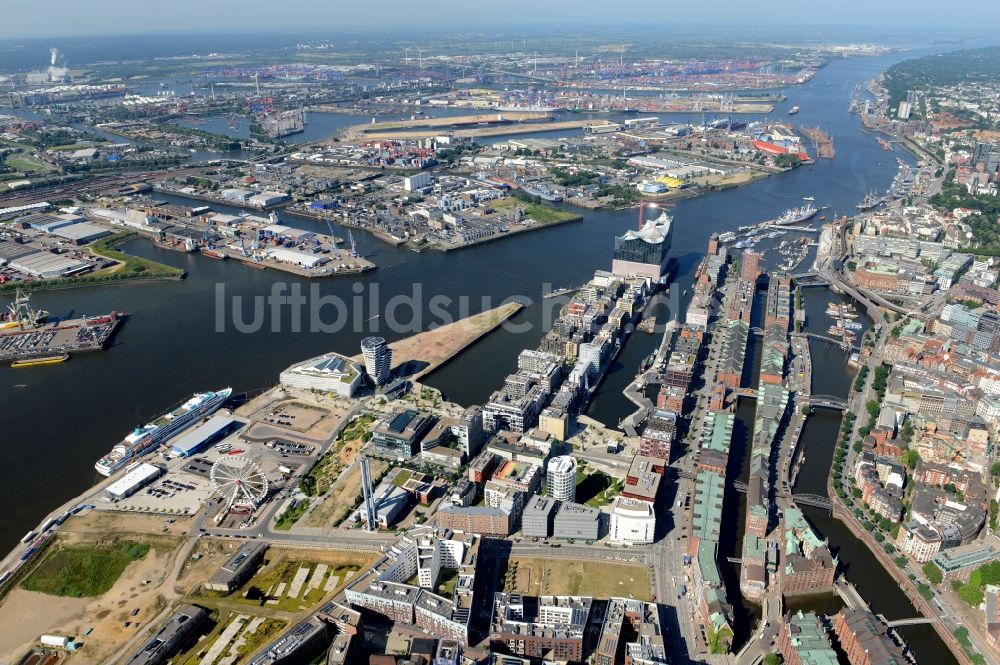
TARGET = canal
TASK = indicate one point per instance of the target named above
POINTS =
(832, 376)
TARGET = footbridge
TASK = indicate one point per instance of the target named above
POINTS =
(915, 621)
(839, 341)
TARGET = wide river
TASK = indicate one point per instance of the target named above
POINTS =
(56, 421)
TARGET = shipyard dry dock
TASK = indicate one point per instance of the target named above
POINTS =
(58, 337)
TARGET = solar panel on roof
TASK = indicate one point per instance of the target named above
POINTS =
(400, 422)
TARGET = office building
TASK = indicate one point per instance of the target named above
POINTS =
(331, 373)
(168, 640)
(399, 436)
(536, 520)
(378, 359)
(633, 521)
(574, 521)
(238, 569)
(642, 481)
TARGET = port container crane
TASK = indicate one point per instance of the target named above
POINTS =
(354, 247)
(329, 227)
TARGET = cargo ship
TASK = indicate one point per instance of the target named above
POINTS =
(145, 439)
(542, 192)
(214, 253)
(796, 215)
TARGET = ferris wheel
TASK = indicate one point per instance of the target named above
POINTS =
(239, 481)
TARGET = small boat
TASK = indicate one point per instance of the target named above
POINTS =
(43, 360)
(808, 198)
(793, 110)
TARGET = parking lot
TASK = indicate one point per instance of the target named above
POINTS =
(176, 493)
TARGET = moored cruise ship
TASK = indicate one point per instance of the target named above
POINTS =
(146, 438)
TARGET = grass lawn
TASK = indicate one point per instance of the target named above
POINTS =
(265, 590)
(212, 630)
(291, 515)
(130, 266)
(596, 489)
(401, 477)
(83, 571)
(599, 579)
(28, 164)
(446, 582)
(539, 212)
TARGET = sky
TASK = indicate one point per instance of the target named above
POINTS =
(19, 18)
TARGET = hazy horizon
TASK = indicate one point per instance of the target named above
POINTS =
(120, 17)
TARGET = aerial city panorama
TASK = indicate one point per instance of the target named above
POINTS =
(442, 333)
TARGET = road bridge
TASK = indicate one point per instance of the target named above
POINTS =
(871, 301)
(827, 401)
(850, 595)
(814, 500)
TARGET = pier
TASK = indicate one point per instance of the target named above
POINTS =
(83, 335)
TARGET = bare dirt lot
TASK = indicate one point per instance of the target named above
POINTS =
(100, 523)
(25, 615)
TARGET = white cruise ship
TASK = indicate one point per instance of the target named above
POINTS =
(146, 438)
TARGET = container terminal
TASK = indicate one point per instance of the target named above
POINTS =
(26, 333)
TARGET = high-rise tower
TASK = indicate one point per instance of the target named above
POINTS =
(378, 358)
